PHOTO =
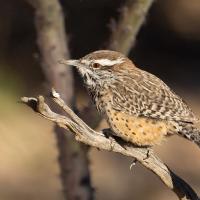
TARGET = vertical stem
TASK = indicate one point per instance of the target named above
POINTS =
(52, 43)
(133, 16)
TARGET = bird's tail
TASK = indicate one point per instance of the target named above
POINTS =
(190, 132)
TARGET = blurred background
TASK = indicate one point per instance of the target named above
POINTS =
(168, 45)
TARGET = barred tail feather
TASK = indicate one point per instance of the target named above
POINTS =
(190, 132)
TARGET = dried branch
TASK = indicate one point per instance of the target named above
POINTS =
(52, 43)
(124, 33)
(83, 133)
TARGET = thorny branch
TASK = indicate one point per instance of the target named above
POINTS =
(52, 43)
(83, 133)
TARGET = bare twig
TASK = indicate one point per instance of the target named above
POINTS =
(124, 33)
(52, 42)
(88, 136)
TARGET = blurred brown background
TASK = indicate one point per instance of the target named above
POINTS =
(168, 45)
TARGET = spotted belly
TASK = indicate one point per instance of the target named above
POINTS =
(140, 131)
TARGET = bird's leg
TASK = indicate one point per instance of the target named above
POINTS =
(109, 134)
(113, 138)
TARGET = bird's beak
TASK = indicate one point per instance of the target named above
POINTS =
(75, 63)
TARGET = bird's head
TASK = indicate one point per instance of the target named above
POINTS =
(100, 66)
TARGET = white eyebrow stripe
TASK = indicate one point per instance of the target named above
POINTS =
(104, 61)
(107, 62)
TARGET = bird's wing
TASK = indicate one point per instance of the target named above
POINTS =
(143, 94)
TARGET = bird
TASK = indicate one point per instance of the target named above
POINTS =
(139, 107)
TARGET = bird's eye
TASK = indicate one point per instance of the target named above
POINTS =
(96, 65)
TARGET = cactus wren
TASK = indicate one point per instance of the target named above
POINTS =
(139, 107)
